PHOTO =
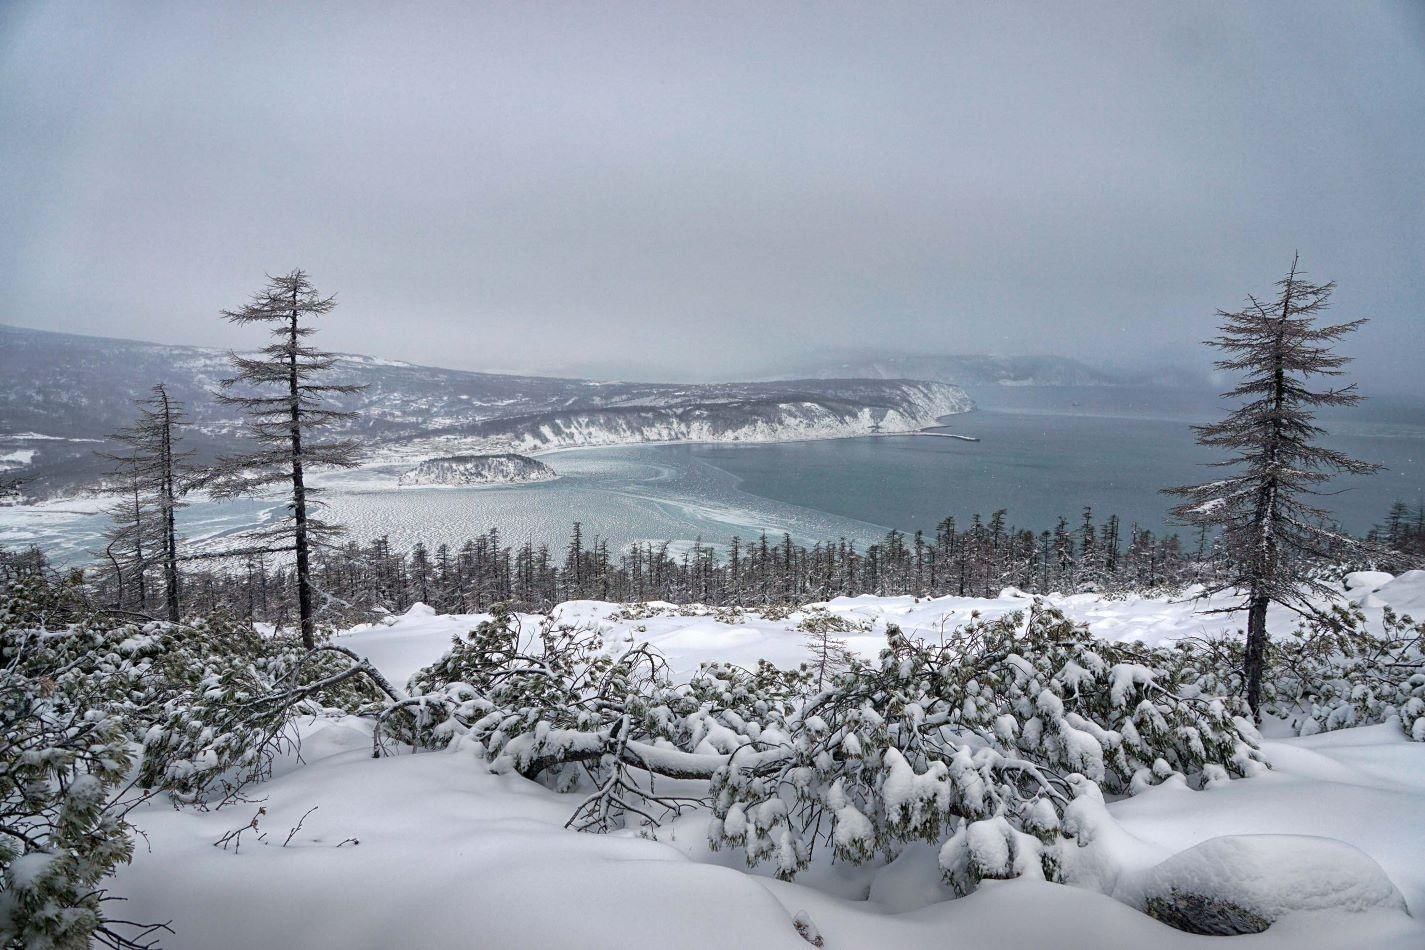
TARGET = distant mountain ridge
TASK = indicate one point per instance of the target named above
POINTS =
(69, 387)
(968, 370)
(978, 370)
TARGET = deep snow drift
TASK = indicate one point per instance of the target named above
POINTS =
(431, 850)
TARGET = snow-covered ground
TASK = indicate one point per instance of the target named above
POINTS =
(431, 850)
(687, 636)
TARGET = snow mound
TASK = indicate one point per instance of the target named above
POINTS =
(912, 881)
(452, 855)
(1359, 582)
(1406, 593)
(1244, 883)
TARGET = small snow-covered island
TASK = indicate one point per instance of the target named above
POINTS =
(503, 468)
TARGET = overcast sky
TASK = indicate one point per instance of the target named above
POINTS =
(715, 189)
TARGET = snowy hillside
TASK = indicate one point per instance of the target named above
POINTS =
(433, 850)
(57, 390)
(499, 469)
(766, 415)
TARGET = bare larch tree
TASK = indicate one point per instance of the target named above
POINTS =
(150, 476)
(1271, 531)
(285, 424)
(131, 539)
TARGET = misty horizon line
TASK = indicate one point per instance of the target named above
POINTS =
(823, 355)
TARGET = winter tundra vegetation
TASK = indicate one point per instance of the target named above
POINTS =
(903, 726)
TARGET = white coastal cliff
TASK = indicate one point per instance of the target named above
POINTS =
(854, 408)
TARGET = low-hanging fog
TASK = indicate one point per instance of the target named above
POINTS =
(716, 190)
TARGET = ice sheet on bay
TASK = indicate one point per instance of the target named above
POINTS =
(623, 495)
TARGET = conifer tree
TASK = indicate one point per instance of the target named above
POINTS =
(132, 536)
(1402, 531)
(287, 405)
(151, 478)
(1268, 526)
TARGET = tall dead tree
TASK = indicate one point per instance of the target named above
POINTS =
(149, 477)
(285, 424)
(131, 539)
(1271, 532)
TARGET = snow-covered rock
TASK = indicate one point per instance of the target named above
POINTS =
(1238, 884)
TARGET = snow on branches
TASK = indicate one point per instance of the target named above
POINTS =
(996, 742)
(96, 710)
(977, 740)
(1338, 670)
(63, 764)
(982, 741)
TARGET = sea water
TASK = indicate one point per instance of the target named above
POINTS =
(1042, 459)
(1041, 453)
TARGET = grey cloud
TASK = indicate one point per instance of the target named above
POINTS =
(717, 189)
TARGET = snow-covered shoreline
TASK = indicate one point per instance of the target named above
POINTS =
(654, 425)
(785, 440)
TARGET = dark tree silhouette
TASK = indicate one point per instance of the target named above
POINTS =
(285, 423)
(131, 540)
(1403, 532)
(150, 477)
(1270, 530)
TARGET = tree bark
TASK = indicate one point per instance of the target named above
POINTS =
(170, 534)
(1256, 659)
(299, 495)
(140, 559)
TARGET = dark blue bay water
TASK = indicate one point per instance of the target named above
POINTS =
(1047, 452)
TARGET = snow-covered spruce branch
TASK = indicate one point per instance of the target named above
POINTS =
(992, 742)
(224, 731)
(63, 764)
(988, 736)
(209, 701)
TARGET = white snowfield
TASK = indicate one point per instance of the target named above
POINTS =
(432, 851)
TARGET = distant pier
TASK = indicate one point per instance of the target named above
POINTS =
(950, 435)
(938, 435)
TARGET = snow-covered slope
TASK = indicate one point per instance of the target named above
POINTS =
(66, 388)
(815, 412)
(688, 635)
(501, 469)
(432, 850)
